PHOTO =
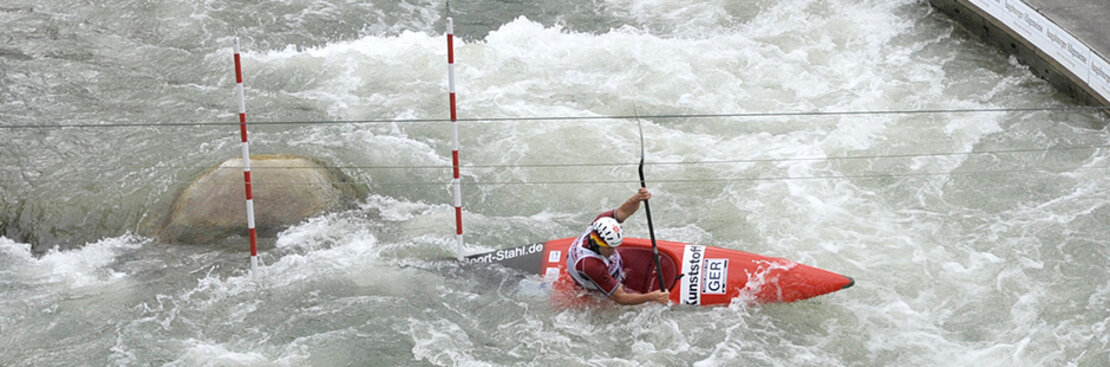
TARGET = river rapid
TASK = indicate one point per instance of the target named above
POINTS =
(976, 238)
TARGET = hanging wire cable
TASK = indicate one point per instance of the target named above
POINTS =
(575, 118)
(478, 182)
(602, 164)
(771, 160)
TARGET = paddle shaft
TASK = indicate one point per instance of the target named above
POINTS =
(647, 210)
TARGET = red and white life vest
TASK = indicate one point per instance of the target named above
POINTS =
(579, 252)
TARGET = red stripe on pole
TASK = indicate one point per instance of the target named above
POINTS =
(247, 183)
(455, 162)
(458, 219)
(254, 241)
(243, 130)
(450, 48)
(454, 115)
(238, 70)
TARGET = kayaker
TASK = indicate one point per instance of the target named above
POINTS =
(593, 259)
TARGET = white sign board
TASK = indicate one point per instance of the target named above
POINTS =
(1068, 51)
(1100, 76)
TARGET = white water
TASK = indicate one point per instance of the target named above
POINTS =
(992, 259)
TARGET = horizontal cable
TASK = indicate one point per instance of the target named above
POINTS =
(569, 118)
(571, 182)
(617, 164)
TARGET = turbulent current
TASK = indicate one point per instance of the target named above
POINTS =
(811, 130)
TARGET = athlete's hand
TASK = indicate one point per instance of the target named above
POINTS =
(662, 296)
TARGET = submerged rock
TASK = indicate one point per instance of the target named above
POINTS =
(286, 189)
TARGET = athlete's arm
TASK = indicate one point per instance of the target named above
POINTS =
(629, 298)
(631, 205)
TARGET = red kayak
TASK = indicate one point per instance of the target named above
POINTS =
(695, 274)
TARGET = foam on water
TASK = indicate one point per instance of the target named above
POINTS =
(84, 267)
(202, 353)
(955, 265)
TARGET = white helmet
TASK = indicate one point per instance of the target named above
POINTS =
(608, 230)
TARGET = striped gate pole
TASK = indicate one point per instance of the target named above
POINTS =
(246, 157)
(454, 136)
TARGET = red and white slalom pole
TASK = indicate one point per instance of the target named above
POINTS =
(454, 135)
(246, 157)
